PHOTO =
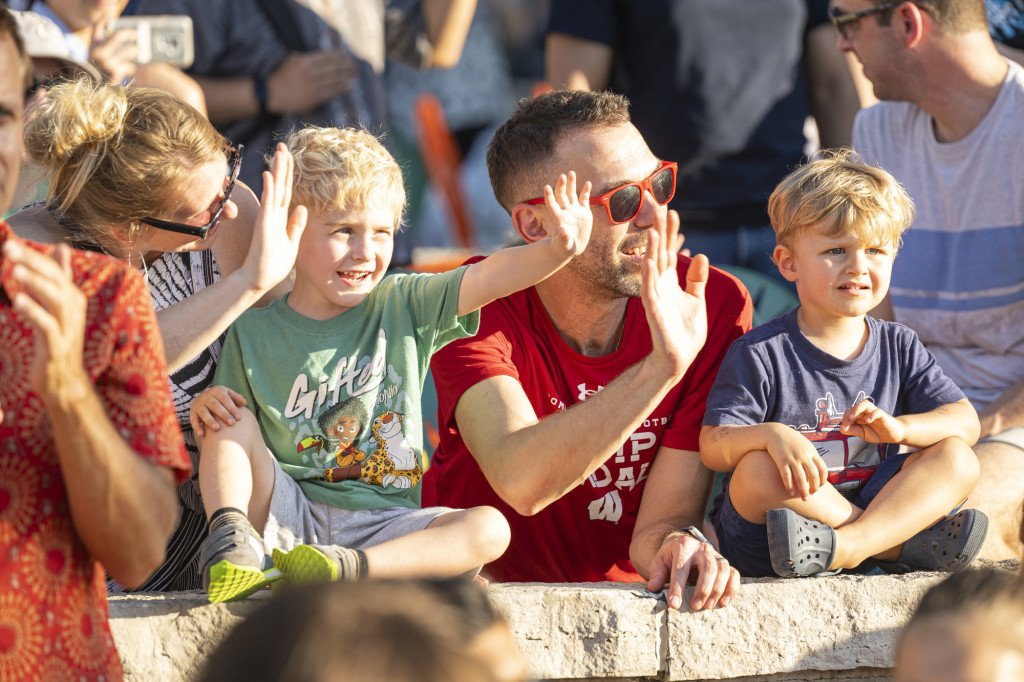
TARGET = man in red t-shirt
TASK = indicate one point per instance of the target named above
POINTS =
(576, 409)
(90, 449)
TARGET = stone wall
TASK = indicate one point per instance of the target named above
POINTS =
(839, 627)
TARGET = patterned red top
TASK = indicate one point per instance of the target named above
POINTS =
(53, 607)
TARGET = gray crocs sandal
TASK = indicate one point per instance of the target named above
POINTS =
(231, 566)
(799, 546)
(949, 545)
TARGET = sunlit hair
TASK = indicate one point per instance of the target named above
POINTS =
(839, 195)
(9, 28)
(387, 630)
(344, 169)
(116, 155)
(953, 16)
(988, 601)
(521, 149)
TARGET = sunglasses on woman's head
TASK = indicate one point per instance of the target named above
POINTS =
(624, 202)
(234, 165)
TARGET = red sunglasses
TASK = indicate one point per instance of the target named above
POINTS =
(623, 203)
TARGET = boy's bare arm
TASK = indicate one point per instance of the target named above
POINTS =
(801, 468)
(954, 420)
(513, 269)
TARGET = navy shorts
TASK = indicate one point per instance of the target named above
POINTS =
(745, 544)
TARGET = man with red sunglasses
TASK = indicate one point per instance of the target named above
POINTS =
(576, 409)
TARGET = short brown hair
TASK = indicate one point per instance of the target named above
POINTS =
(523, 145)
(838, 194)
(953, 16)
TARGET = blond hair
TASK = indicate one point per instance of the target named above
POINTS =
(116, 155)
(839, 195)
(344, 169)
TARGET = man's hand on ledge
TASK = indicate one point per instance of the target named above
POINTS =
(681, 556)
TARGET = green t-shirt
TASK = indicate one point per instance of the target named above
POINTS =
(338, 400)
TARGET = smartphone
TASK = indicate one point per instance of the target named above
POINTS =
(162, 38)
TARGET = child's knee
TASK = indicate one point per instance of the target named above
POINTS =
(489, 530)
(756, 486)
(962, 462)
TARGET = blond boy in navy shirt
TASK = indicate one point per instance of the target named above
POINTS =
(813, 412)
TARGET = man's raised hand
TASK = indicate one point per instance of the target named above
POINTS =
(677, 318)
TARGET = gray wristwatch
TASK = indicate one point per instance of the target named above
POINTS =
(694, 533)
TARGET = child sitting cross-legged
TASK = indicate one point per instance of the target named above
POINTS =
(809, 411)
(311, 442)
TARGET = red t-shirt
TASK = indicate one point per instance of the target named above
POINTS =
(53, 595)
(585, 535)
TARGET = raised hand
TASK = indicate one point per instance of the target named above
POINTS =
(214, 406)
(115, 53)
(677, 318)
(275, 242)
(802, 469)
(305, 80)
(865, 420)
(573, 218)
(47, 296)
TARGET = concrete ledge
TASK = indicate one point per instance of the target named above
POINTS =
(840, 627)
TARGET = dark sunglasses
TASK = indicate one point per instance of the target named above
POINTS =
(623, 203)
(842, 20)
(234, 165)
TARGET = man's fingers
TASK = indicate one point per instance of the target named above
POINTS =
(706, 572)
(697, 276)
(732, 587)
(672, 240)
(659, 576)
(723, 573)
(680, 576)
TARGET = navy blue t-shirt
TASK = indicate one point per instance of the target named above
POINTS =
(715, 85)
(775, 374)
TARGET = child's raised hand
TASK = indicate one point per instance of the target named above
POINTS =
(802, 469)
(215, 405)
(572, 214)
(865, 420)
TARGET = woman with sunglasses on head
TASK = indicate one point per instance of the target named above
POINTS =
(140, 175)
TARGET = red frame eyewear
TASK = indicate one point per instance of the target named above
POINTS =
(631, 200)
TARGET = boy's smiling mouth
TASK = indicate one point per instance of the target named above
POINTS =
(354, 277)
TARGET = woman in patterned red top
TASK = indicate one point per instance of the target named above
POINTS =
(89, 446)
(140, 175)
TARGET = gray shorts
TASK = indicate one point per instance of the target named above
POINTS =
(297, 520)
(1013, 436)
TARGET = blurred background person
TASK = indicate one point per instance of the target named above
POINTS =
(382, 630)
(968, 628)
(89, 37)
(723, 88)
